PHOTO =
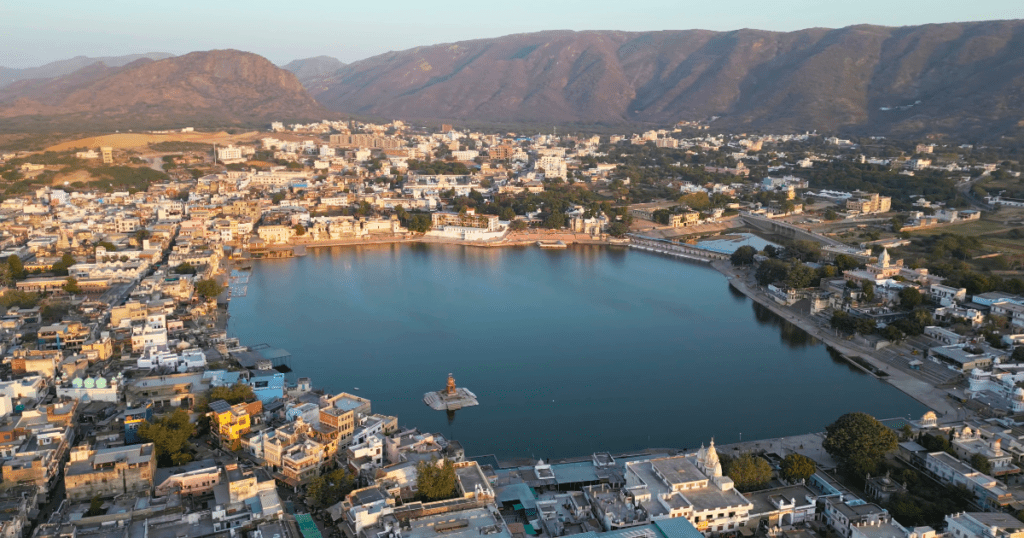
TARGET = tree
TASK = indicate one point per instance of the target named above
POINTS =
(1018, 354)
(517, 225)
(830, 214)
(17, 268)
(95, 507)
(935, 443)
(845, 262)
(894, 334)
(110, 247)
(796, 467)
(237, 393)
(71, 285)
(743, 255)
(141, 235)
(330, 488)
(555, 221)
(169, 436)
(981, 463)
(435, 480)
(858, 442)
(618, 229)
(869, 291)
(750, 472)
(61, 267)
(299, 229)
(185, 268)
(208, 288)
(910, 298)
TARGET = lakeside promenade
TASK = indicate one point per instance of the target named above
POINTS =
(920, 390)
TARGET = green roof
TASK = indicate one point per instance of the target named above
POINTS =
(307, 526)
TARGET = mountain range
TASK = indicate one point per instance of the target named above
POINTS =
(961, 79)
(60, 68)
(201, 89)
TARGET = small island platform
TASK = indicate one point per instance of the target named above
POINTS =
(451, 398)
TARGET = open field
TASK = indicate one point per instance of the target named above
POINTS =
(142, 140)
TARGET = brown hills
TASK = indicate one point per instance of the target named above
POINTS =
(202, 89)
(963, 78)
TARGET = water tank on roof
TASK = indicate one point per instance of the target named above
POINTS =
(101, 383)
(89, 383)
(76, 382)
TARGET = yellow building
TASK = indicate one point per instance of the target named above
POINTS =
(230, 422)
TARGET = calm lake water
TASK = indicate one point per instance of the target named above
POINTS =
(570, 352)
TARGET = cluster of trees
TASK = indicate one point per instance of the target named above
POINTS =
(747, 471)
(896, 331)
(327, 489)
(435, 480)
(61, 267)
(439, 167)
(237, 393)
(859, 444)
(170, 437)
(185, 268)
(208, 288)
(849, 176)
(417, 221)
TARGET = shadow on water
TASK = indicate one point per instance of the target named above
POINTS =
(838, 359)
(790, 334)
(736, 294)
(451, 416)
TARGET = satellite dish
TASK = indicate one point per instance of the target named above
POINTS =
(76, 382)
(101, 383)
(89, 383)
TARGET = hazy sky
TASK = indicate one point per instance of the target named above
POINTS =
(33, 32)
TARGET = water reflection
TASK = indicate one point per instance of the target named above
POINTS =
(790, 334)
(736, 294)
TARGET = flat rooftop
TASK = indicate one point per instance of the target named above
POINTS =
(470, 524)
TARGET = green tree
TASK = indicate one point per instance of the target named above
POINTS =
(618, 229)
(237, 393)
(1018, 354)
(170, 437)
(208, 288)
(17, 268)
(95, 507)
(71, 285)
(299, 229)
(107, 245)
(750, 472)
(910, 298)
(141, 235)
(697, 201)
(981, 463)
(330, 488)
(858, 442)
(845, 262)
(435, 480)
(830, 214)
(797, 467)
(935, 443)
(869, 291)
(743, 255)
(518, 225)
(185, 268)
(555, 221)
(61, 267)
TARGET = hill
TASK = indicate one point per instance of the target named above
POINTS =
(202, 89)
(66, 67)
(964, 79)
(310, 70)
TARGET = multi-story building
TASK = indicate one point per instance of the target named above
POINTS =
(865, 202)
(983, 525)
(691, 487)
(194, 478)
(109, 471)
(230, 422)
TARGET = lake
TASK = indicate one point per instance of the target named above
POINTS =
(569, 351)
